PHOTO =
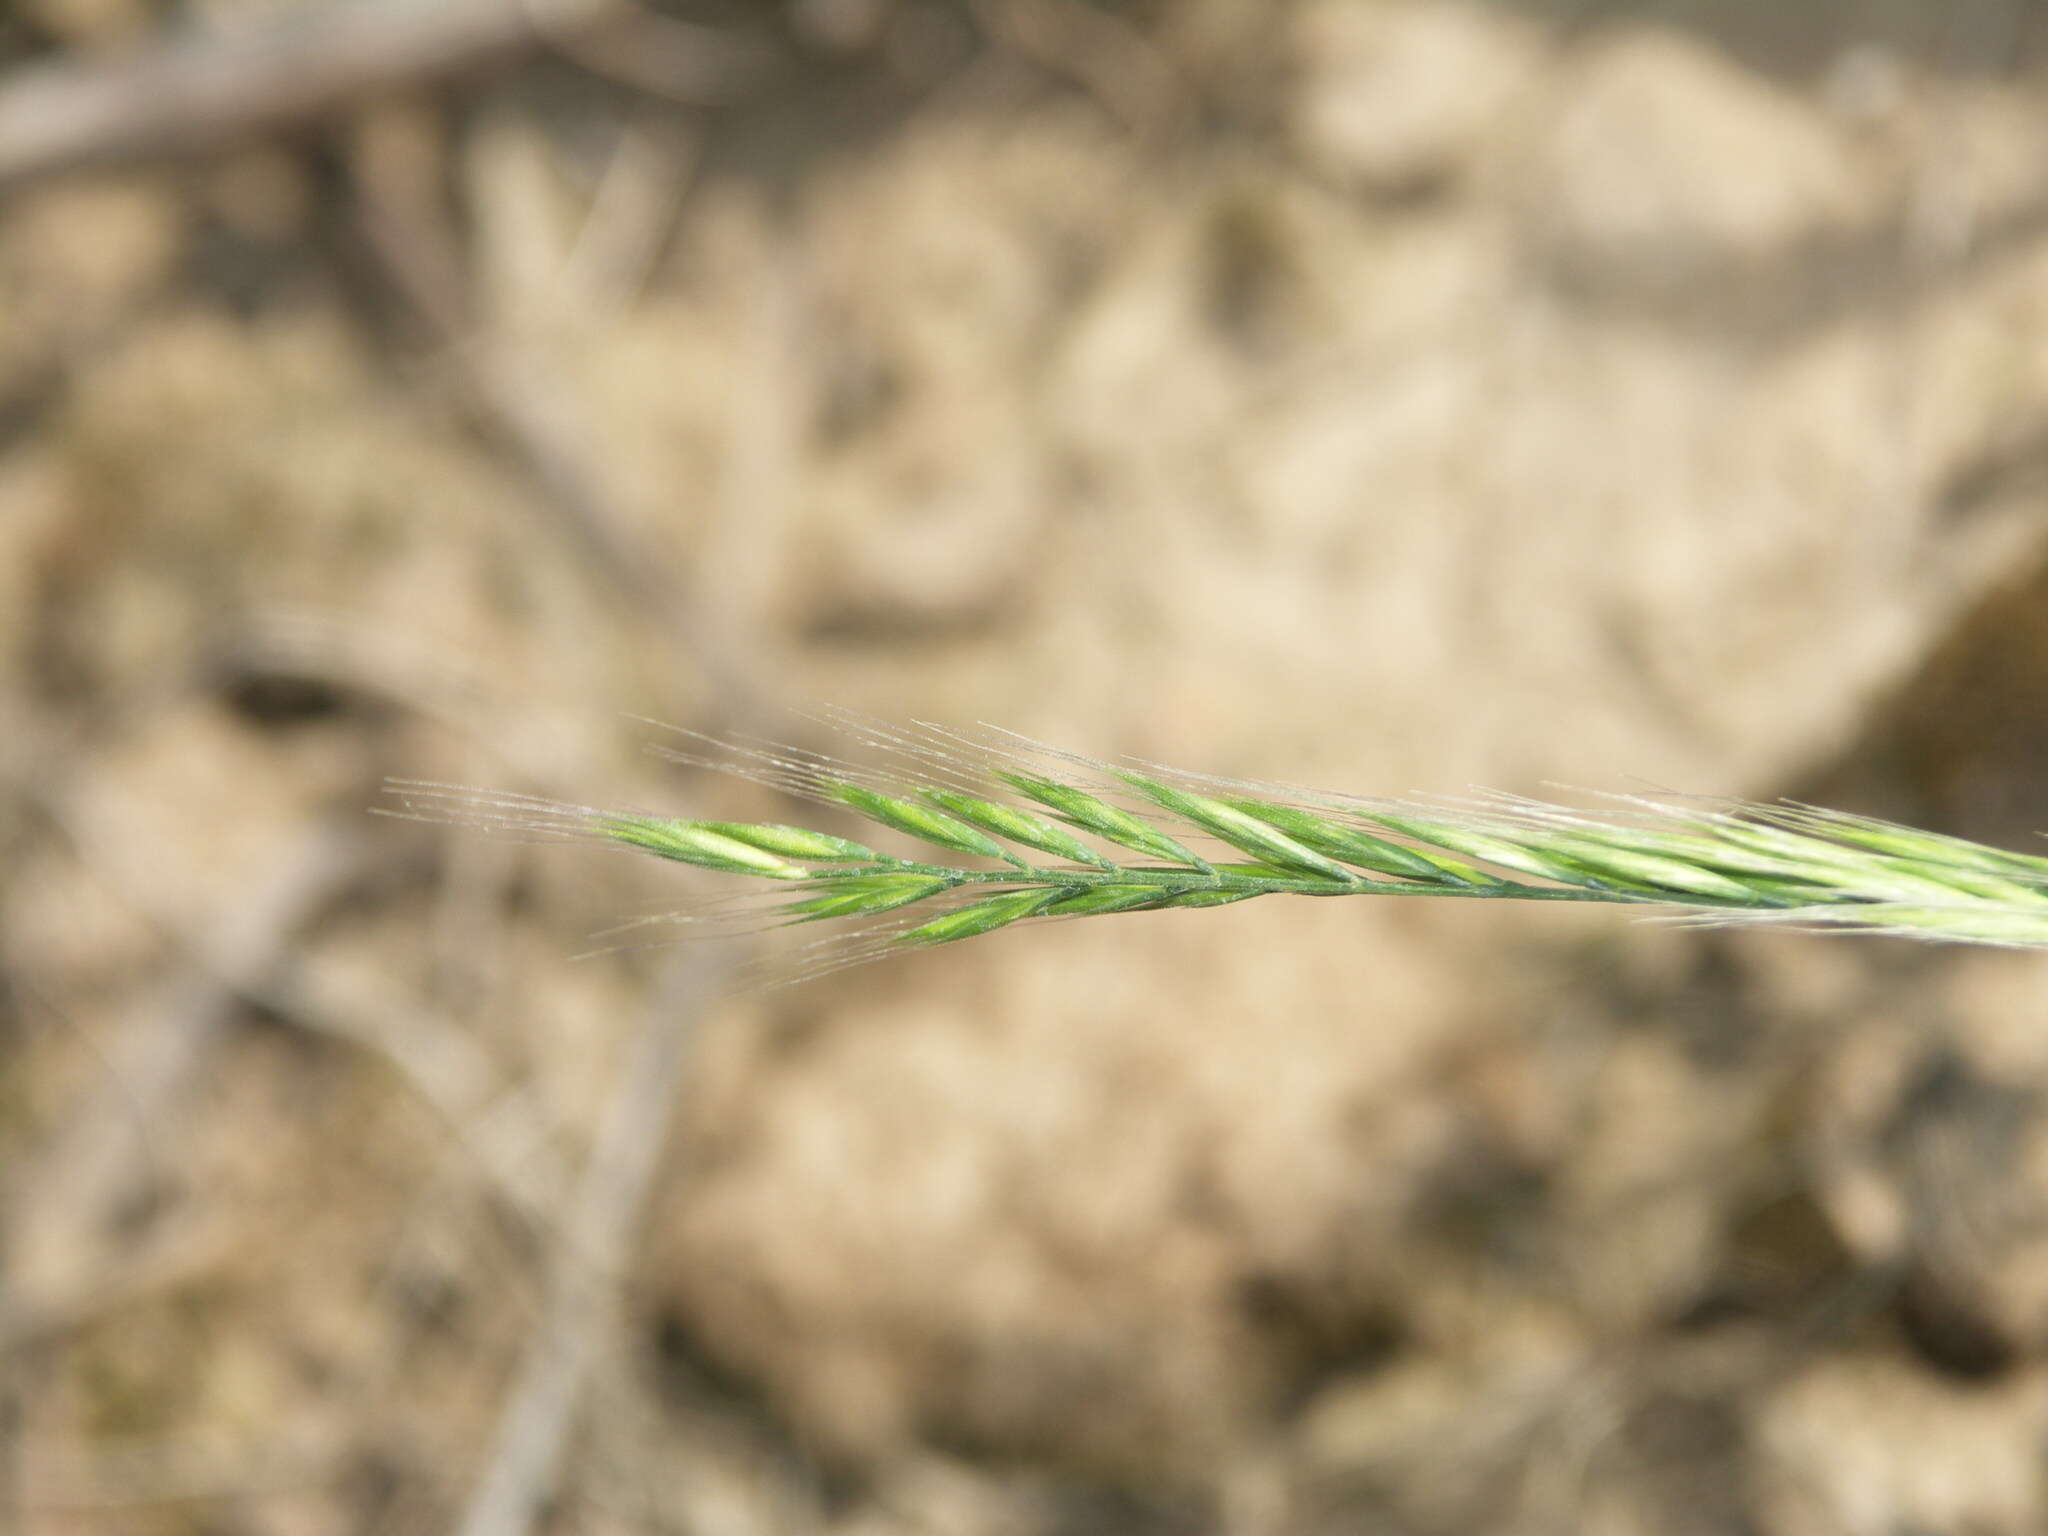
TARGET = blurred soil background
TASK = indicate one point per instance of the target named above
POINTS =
(1380, 394)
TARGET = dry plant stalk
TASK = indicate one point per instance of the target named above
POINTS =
(1024, 833)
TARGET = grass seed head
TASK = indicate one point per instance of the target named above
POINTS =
(1712, 862)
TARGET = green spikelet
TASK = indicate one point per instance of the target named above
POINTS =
(1078, 808)
(919, 821)
(793, 842)
(865, 896)
(1262, 840)
(982, 917)
(1351, 845)
(1019, 826)
(703, 844)
(1099, 900)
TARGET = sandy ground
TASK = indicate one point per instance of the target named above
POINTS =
(1391, 395)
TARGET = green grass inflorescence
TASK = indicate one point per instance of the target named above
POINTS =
(1007, 839)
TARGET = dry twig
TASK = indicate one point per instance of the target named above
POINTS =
(533, 1430)
(211, 88)
(518, 407)
(71, 1202)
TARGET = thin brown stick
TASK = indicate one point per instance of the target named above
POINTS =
(71, 1202)
(517, 405)
(534, 1428)
(1108, 57)
(212, 87)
